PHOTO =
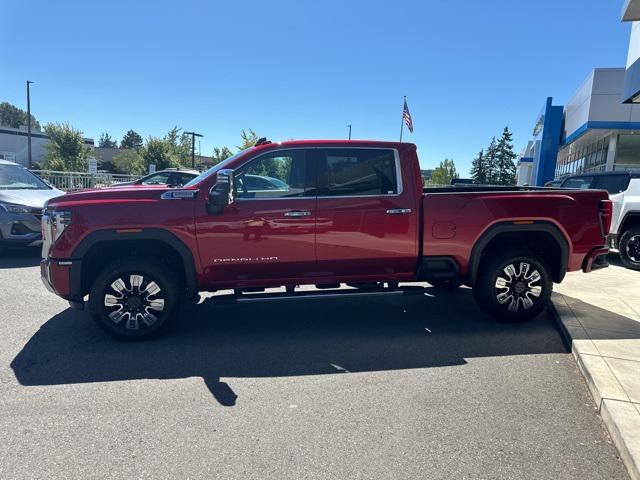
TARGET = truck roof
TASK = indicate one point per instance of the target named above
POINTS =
(346, 143)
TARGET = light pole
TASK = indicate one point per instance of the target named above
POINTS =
(193, 147)
(349, 131)
(29, 82)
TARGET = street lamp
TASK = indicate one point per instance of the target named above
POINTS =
(29, 82)
(349, 131)
(193, 147)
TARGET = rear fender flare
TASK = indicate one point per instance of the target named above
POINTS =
(508, 227)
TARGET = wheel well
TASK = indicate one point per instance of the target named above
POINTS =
(104, 252)
(630, 220)
(540, 242)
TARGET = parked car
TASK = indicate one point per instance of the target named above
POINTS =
(22, 198)
(624, 192)
(352, 212)
(172, 177)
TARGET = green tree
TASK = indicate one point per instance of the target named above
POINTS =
(491, 161)
(130, 162)
(505, 159)
(444, 173)
(66, 149)
(220, 154)
(131, 139)
(106, 141)
(249, 139)
(12, 116)
(479, 168)
(179, 147)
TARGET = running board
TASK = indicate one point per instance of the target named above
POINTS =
(317, 294)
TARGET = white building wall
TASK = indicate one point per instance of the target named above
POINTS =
(634, 44)
(576, 111)
(599, 99)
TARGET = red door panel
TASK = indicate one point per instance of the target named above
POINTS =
(367, 234)
(254, 240)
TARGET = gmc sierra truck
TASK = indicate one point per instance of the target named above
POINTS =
(321, 213)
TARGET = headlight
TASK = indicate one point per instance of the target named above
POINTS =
(11, 208)
(54, 223)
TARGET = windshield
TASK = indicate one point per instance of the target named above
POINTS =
(14, 177)
(215, 168)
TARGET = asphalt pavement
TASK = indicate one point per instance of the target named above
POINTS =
(421, 387)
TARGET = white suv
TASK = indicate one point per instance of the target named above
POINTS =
(624, 192)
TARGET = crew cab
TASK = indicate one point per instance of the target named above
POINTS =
(342, 212)
(624, 192)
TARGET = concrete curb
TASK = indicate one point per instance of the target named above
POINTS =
(619, 413)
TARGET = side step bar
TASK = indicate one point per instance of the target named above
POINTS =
(317, 294)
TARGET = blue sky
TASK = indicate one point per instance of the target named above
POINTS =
(305, 69)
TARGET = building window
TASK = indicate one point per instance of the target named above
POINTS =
(627, 152)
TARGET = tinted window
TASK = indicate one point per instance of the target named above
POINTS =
(578, 182)
(612, 183)
(158, 179)
(278, 174)
(357, 171)
(179, 179)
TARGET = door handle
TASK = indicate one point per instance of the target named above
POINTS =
(298, 213)
(398, 211)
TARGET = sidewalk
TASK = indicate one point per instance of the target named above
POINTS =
(600, 316)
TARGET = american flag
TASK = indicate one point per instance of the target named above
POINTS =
(407, 116)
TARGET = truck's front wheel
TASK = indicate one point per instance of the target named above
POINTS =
(514, 286)
(134, 298)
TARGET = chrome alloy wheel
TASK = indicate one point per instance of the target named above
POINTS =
(518, 288)
(134, 303)
(633, 249)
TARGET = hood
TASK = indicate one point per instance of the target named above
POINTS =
(29, 198)
(108, 195)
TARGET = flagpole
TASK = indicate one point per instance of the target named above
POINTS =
(402, 118)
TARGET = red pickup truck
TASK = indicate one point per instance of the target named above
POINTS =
(321, 213)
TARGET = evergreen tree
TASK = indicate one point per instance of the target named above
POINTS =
(106, 141)
(491, 159)
(131, 139)
(479, 168)
(505, 159)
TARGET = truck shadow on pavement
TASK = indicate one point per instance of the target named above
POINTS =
(287, 338)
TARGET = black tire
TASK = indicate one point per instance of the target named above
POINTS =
(445, 283)
(523, 294)
(629, 248)
(147, 308)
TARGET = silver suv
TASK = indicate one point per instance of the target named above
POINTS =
(22, 198)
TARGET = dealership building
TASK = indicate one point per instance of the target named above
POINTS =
(14, 145)
(597, 130)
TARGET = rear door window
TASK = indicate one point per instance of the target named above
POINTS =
(612, 183)
(348, 172)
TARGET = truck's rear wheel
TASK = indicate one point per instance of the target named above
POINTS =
(134, 298)
(514, 286)
(629, 248)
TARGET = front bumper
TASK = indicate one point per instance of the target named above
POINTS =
(62, 277)
(596, 259)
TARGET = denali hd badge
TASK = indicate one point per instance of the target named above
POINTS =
(245, 259)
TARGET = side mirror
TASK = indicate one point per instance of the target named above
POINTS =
(222, 193)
